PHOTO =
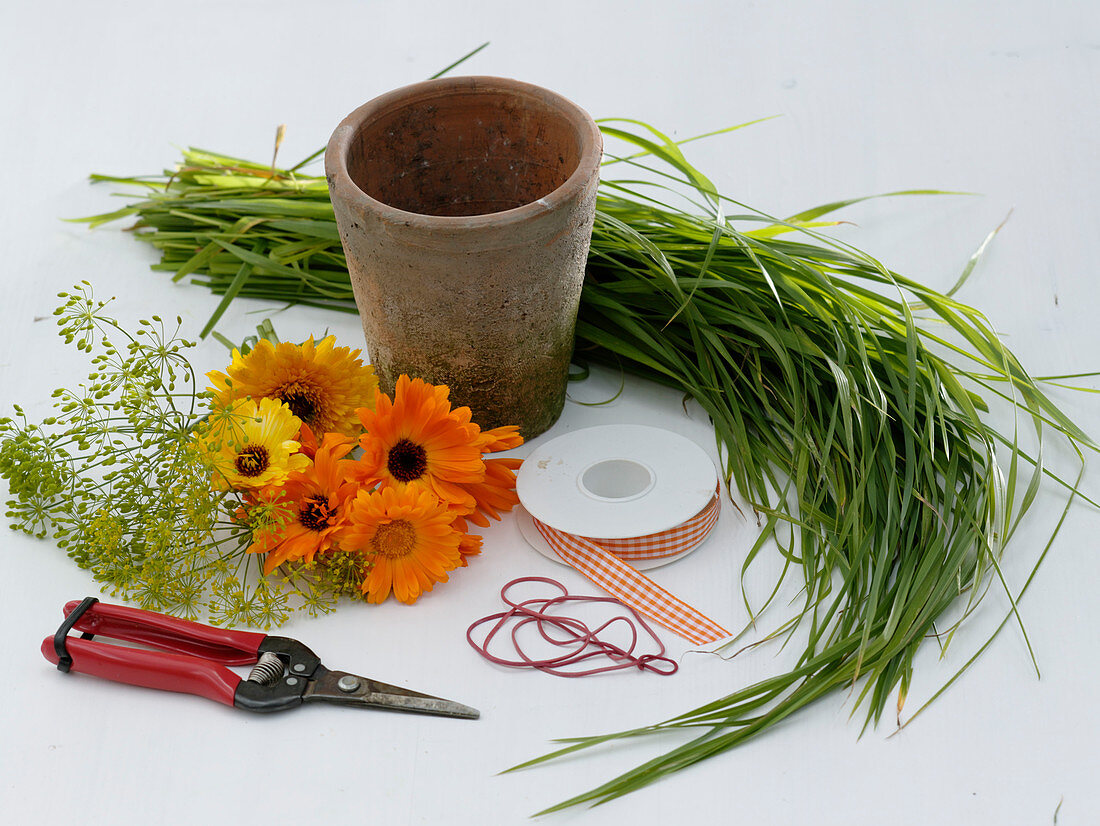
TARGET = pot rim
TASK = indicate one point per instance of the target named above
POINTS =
(591, 153)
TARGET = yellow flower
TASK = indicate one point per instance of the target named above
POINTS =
(321, 384)
(252, 445)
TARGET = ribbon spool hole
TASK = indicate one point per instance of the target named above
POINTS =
(616, 480)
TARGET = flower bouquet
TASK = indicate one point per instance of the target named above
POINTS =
(292, 458)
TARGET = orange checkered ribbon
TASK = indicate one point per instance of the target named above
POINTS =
(602, 561)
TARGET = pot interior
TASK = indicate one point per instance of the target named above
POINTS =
(466, 152)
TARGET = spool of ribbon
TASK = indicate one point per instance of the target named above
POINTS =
(607, 499)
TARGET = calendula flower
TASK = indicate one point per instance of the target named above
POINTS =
(469, 544)
(316, 501)
(408, 540)
(418, 441)
(500, 438)
(252, 445)
(322, 384)
(497, 493)
(308, 440)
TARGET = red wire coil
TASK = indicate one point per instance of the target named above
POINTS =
(584, 643)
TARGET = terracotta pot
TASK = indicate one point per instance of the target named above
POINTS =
(465, 207)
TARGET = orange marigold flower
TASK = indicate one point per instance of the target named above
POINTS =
(307, 441)
(417, 441)
(408, 539)
(317, 500)
(497, 493)
(469, 544)
(500, 438)
(321, 383)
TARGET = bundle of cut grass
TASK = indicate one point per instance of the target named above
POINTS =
(848, 401)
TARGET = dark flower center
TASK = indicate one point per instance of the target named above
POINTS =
(252, 460)
(394, 539)
(302, 401)
(406, 461)
(315, 513)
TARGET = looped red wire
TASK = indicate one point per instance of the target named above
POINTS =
(584, 643)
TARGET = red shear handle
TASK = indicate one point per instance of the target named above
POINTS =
(151, 669)
(169, 633)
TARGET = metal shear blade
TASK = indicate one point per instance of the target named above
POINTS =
(351, 689)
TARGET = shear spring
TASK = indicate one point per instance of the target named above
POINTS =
(267, 670)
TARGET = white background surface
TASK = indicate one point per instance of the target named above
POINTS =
(999, 99)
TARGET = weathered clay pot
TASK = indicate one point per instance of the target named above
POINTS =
(465, 207)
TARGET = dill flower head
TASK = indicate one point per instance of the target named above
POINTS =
(418, 441)
(407, 538)
(314, 500)
(321, 384)
(251, 445)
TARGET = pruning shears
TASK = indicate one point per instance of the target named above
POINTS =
(193, 659)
